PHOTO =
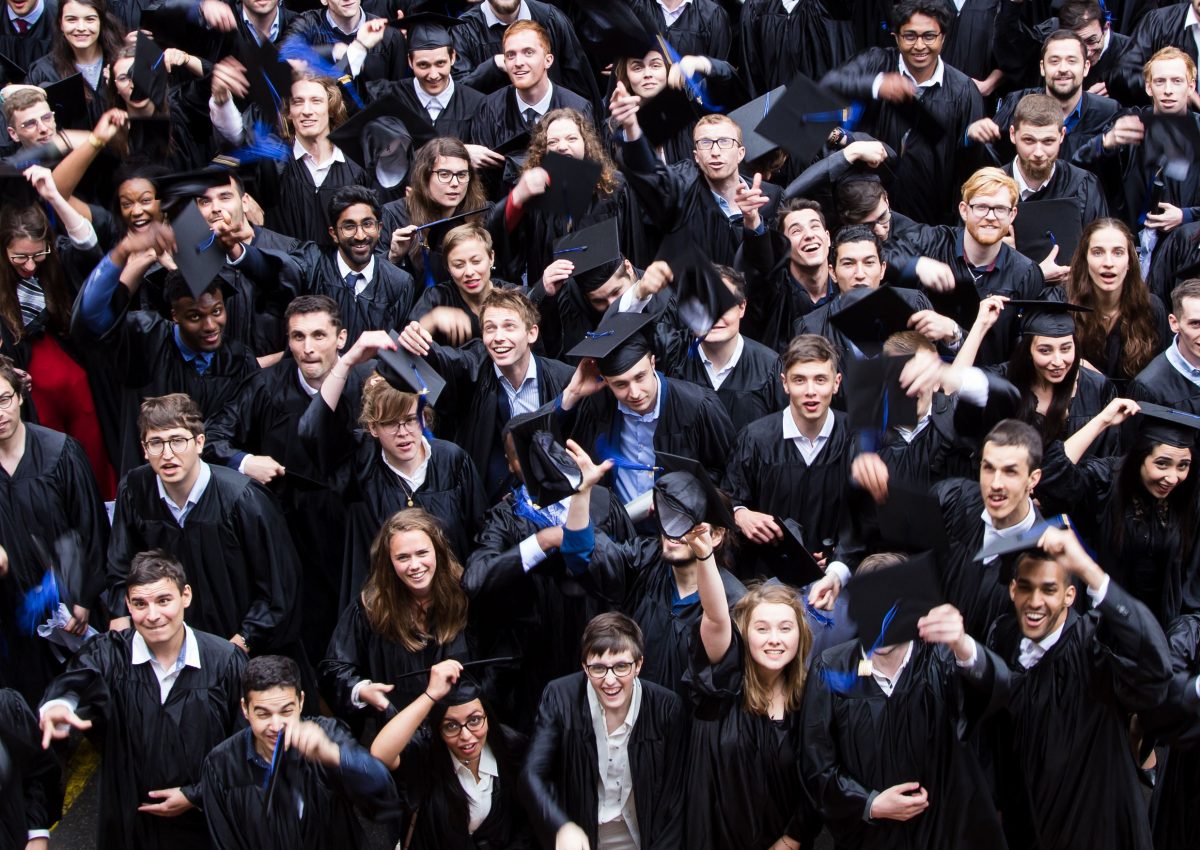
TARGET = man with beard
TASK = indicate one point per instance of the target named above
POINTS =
(1064, 65)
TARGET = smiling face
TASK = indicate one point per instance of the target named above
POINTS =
(810, 387)
(1041, 593)
(80, 25)
(465, 743)
(563, 136)
(857, 266)
(308, 110)
(774, 636)
(1006, 482)
(33, 125)
(268, 713)
(1168, 84)
(138, 202)
(809, 238)
(920, 41)
(470, 266)
(156, 610)
(718, 163)
(648, 75)
(314, 341)
(432, 67)
(990, 226)
(1187, 325)
(506, 336)
(1037, 149)
(400, 440)
(1164, 469)
(457, 174)
(415, 561)
(526, 60)
(636, 388)
(10, 416)
(355, 234)
(1108, 259)
(614, 692)
(201, 320)
(1063, 68)
(1053, 357)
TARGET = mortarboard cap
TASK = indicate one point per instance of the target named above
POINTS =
(432, 233)
(428, 30)
(871, 317)
(270, 80)
(150, 137)
(748, 117)
(381, 137)
(188, 185)
(16, 190)
(1046, 318)
(664, 115)
(13, 73)
(875, 401)
(701, 295)
(1165, 425)
(148, 71)
(911, 588)
(1025, 541)
(618, 343)
(197, 253)
(515, 145)
(572, 185)
(911, 520)
(409, 374)
(467, 665)
(595, 250)
(961, 303)
(1040, 225)
(685, 496)
(792, 558)
(1171, 142)
(550, 473)
(800, 122)
(68, 99)
(613, 29)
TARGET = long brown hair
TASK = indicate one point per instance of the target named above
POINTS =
(31, 223)
(391, 608)
(110, 39)
(592, 148)
(756, 691)
(421, 208)
(1139, 336)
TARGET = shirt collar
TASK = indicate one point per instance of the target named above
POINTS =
(197, 490)
(487, 765)
(362, 16)
(646, 417)
(733, 360)
(792, 432)
(597, 710)
(1022, 186)
(298, 152)
(272, 32)
(1176, 359)
(1044, 645)
(35, 14)
(368, 271)
(1013, 530)
(204, 358)
(542, 106)
(425, 98)
(489, 16)
(189, 652)
(308, 391)
(530, 374)
(1191, 20)
(672, 15)
(939, 74)
(420, 470)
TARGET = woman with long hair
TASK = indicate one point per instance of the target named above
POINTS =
(442, 183)
(410, 614)
(86, 41)
(158, 130)
(1127, 325)
(457, 768)
(39, 278)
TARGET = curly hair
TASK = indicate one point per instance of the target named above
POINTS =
(389, 605)
(421, 208)
(593, 149)
(382, 403)
(756, 691)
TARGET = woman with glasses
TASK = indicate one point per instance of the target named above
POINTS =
(456, 767)
(410, 614)
(442, 184)
(38, 283)
(85, 42)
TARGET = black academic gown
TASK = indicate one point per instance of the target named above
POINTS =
(255, 312)
(396, 215)
(559, 781)
(51, 493)
(1160, 28)
(743, 784)
(930, 169)
(819, 321)
(372, 492)
(235, 797)
(456, 120)
(703, 29)
(32, 797)
(26, 48)
(447, 294)
(775, 301)
(1018, 44)
(149, 745)
(1161, 383)
(1066, 778)
(385, 61)
(752, 390)
(1072, 183)
(1095, 114)
(234, 546)
(474, 408)
(777, 44)
(968, 45)
(1093, 392)
(500, 116)
(1175, 260)
(300, 208)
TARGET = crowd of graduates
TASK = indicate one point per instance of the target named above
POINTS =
(731, 424)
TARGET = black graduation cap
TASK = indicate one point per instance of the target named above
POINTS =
(14, 188)
(1046, 318)
(65, 562)
(594, 247)
(961, 303)
(1022, 542)
(68, 100)
(748, 117)
(685, 496)
(13, 73)
(875, 400)
(189, 185)
(792, 559)
(514, 146)
(613, 29)
(467, 665)
(409, 374)
(1171, 142)
(572, 185)
(871, 317)
(381, 137)
(148, 71)
(702, 297)
(902, 592)
(800, 122)
(550, 473)
(197, 253)
(618, 343)
(1040, 225)
(270, 80)
(434, 232)
(662, 117)
(428, 30)
(911, 520)
(1165, 425)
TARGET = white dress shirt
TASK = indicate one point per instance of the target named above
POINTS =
(364, 277)
(992, 534)
(1176, 359)
(716, 376)
(180, 512)
(809, 449)
(542, 106)
(479, 794)
(1024, 190)
(434, 104)
(616, 774)
(189, 656)
(939, 75)
(885, 684)
(417, 478)
(489, 16)
(670, 16)
(318, 170)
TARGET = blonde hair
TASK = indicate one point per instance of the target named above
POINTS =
(988, 181)
(715, 118)
(755, 690)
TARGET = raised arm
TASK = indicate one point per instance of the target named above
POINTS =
(716, 628)
(389, 744)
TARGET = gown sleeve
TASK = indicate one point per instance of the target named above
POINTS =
(836, 793)
(1131, 644)
(345, 662)
(271, 555)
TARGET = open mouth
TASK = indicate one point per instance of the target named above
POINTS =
(501, 350)
(418, 576)
(1034, 619)
(997, 499)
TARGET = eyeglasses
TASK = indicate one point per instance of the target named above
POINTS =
(1094, 40)
(6, 400)
(154, 446)
(408, 423)
(349, 228)
(724, 143)
(22, 259)
(910, 38)
(446, 176)
(451, 728)
(984, 210)
(46, 120)
(598, 671)
(884, 219)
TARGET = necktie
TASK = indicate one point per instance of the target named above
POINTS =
(22, 25)
(1030, 653)
(353, 283)
(531, 116)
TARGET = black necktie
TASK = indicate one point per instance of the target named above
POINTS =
(531, 116)
(352, 280)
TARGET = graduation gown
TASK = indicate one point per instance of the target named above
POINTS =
(1162, 383)
(968, 44)
(1093, 392)
(452, 491)
(1165, 27)
(456, 120)
(255, 312)
(32, 797)
(1174, 260)
(26, 48)
(1018, 45)
(500, 116)
(1066, 778)
(702, 29)
(447, 294)
(235, 796)
(149, 745)
(233, 545)
(396, 215)
(51, 493)
(777, 44)
(1095, 114)
(775, 301)
(819, 321)
(861, 742)
(300, 208)
(752, 390)
(559, 781)
(388, 60)
(1069, 182)
(743, 786)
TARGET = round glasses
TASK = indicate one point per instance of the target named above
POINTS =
(22, 259)
(155, 446)
(349, 228)
(444, 175)
(621, 669)
(409, 423)
(452, 728)
(6, 400)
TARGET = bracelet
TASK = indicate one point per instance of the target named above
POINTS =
(94, 141)
(705, 557)
(333, 374)
(431, 699)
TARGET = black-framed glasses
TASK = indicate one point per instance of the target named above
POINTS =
(621, 669)
(984, 210)
(910, 38)
(22, 259)
(884, 219)
(724, 143)
(46, 119)
(411, 424)
(451, 728)
(445, 175)
(155, 445)
(367, 225)
(6, 400)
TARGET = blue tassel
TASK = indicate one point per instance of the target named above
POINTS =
(37, 604)
(607, 452)
(265, 146)
(276, 758)
(694, 347)
(852, 115)
(598, 334)
(297, 48)
(815, 613)
(428, 263)
(842, 681)
(422, 400)
(695, 85)
(524, 508)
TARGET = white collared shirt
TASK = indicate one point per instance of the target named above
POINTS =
(417, 479)
(1024, 190)
(272, 31)
(318, 170)
(809, 449)
(364, 277)
(885, 684)
(1182, 366)
(35, 14)
(670, 16)
(479, 794)
(308, 391)
(991, 533)
(716, 377)
(189, 656)
(427, 100)
(489, 16)
(357, 24)
(542, 106)
(615, 771)
(180, 512)
(939, 74)
(788, 5)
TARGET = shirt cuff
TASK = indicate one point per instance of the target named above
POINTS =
(226, 120)
(1097, 595)
(973, 660)
(238, 462)
(867, 809)
(84, 235)
(974, 388)
(837, 568)
(354, 700)
(875, 85)
(69, 700)
(531, 553)
(37, 833)
(630, 304)
(356, 54)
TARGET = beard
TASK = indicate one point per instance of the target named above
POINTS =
(985, 237)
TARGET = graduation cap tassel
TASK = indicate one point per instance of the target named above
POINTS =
(815, 613)
(607, 452)
(525, 508)
(695, 85)
(38, 603)
(297, 48)
(851, 116)
(427, 262)
(694, 346)
(842, 681)
(265, 146)
(422, 400)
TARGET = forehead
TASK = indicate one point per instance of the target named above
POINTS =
(122, 65)
(857, 250)
(1057, 341)
(215, 191)
(356, 211)
(1064, 47)
(1168, 68)
(522, 40)
(162, 587)
(653, 56)
(466, 248)
(562, 126)
(1191, 307)
(1049, 131)
(167, 433)
(310, 321)
(610, 657)
(462, 712)
(1004, 456)
(412, 539)
(272, 698)
(717, 130)
(1108, 237)
(77, 9)
(34, 110)
(308, 89)
(430, 54)
(5, 386)
(808, 218)
(997, 198)
(136, 186)
(810, 368)
(773, 613)
(921, 23)
(500, 315)
(1040, 570)
(635, 372)
(1175, 453)
(453, 163)
(207, 301)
